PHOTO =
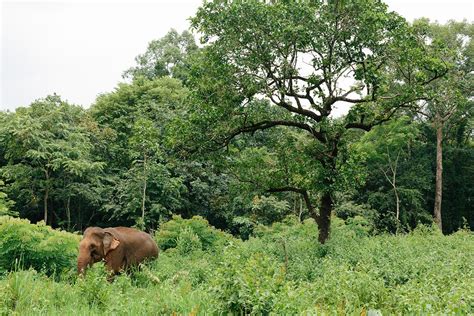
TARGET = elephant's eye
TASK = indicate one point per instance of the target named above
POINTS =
(93, 249)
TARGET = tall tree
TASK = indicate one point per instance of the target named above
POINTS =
(290, 64)
(164, 57)
(143, 142)
(45, 143)
(390, 156)
(145, 186)
(451, 98)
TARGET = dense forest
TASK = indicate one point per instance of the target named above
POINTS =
(323, 114)
(242, 131)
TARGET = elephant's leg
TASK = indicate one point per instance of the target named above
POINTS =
(112, 271)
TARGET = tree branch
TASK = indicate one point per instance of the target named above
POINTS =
(303, 192)
(268, 124)
(389, 113)
(282, 103)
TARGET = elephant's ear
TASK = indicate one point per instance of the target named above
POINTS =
(110, 243)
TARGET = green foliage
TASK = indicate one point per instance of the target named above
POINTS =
(187, 241)
(458, 172)
(293, 243)
(347, 209)
(268, 209)
(248, 285)
(27, 292)
(243, 226)
(38, 246)
(49, 157)
(450, 105)
(264, 87)
(164, 57)
(121, 111)
(281, 270)
(189, 234)
(92, 288)
(146, 185)
(5, 203)
(396, 166)
(282, 69)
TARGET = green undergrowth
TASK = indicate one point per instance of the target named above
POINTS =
(280, 270)
(25, 245)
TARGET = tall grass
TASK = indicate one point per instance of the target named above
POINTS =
(281, 270)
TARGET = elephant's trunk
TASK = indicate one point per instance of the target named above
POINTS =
(81, 267)
(83, 261)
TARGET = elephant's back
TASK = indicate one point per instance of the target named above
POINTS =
(139, 240)
(128, 231)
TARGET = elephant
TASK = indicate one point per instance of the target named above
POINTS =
(119, 247)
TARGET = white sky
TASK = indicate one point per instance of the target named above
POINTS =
(79, 49)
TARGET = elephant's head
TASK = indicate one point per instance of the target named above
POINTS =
(94, 246)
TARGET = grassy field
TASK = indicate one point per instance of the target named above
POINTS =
(281, 270)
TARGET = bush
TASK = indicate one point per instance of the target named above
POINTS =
(188, 242)
(194, 231)
(248, 285)
(40, 247)
(294, 243)
(242, 227)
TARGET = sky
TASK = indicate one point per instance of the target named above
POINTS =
(79, 49)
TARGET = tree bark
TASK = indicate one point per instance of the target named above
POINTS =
(144, 189)
(301, 209)
(394, 183)
(68, 213)
(326, 205)
(439, 175)
(397, 201)
(393, 166)
(45, 205)
(324, 218)
(46, 195)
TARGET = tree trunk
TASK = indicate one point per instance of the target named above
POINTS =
(393, 166)
(300, 214)
(397, 198)
(324, 218)
(144, 189)
(68, 213)
(397, 201)
(45, 205)
(439, 175)
(46, 195)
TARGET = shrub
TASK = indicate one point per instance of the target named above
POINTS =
(250, 285)
(94, 289)
(197, 227)
(188, 241)
(243, 227)
(293, 243)
(40, 247)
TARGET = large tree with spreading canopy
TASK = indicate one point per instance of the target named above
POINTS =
(291, 64)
